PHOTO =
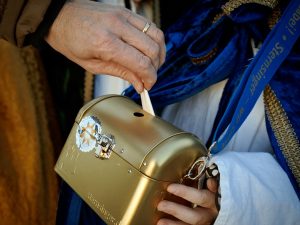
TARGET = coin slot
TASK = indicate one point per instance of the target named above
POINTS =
(138, 114)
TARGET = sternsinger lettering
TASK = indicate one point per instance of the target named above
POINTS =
(102, 210)
(275, 52)
(293, 21)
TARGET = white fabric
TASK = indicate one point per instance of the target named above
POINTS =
(106, 84)
(197, 115)
(254, 189)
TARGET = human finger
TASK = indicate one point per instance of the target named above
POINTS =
(153, 32)
(120, 25)
(101, 67)
(164, 221)
(185, 214)
(212, 185)
(115, 50)
(144, 43)
(203, 197)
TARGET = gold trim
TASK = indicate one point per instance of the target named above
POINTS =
(285, 135)
(274, 18)
(205, 58)
(231, 5)
(218, 16)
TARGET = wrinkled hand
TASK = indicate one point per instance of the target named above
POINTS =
(107, 39)
(204, 214)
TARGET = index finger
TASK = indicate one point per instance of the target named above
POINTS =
(203, 197)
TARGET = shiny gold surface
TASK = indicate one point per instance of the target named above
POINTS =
(171, 159)
(149, 153)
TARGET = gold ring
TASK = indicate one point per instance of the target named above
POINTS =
(146, 27)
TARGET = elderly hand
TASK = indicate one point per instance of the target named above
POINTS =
(107, 39)
(204, 214)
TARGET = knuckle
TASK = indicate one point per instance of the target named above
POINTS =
(115, 18)
(101, 38)
(154, 50)
(134, 82)
(160, 37)
(144, 62)
(117, 15)
(125, 75)
(119, 10)
(201, 198)
(199, 220)
(105, 46)
(125, 12)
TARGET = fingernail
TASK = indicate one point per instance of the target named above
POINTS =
(160, 206)
(160, 223)
(171, 188)
(139, 88)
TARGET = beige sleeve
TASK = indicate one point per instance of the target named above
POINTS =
(19, 18)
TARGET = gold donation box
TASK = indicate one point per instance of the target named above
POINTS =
(120, 159)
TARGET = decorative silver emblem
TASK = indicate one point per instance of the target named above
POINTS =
(89, 137)
(105, 146)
